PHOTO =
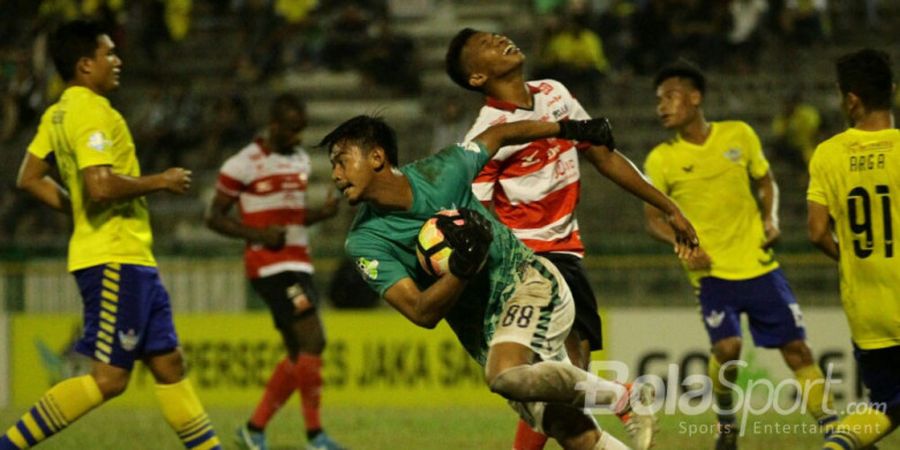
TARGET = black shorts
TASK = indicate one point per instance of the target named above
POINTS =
(289, 295)
(879, 373)
(587, 319)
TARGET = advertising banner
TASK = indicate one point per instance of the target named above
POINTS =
(372, 358)
(672, 344)
(379, 358)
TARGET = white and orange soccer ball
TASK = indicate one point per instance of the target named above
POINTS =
(432, 249)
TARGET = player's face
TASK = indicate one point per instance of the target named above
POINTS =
(350, 170)
(286, 132)
(105, 66)
(491, 55)
(676, 103)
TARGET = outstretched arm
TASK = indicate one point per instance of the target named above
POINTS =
(618, 168)
(677, 230)
(34, 178)
(596, 131)
(515, 133)
(104, 185)
(818, 224)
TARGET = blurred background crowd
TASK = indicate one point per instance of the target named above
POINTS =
(198, 75)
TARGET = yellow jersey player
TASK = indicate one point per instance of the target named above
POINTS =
(127, 315)
(707, 168)
(854, 194)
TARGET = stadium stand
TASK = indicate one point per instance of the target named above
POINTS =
(191, 75)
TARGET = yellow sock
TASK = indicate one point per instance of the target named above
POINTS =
(63, 404)
(182, 409)
(723, 395)
(859, 430)
(812, 381)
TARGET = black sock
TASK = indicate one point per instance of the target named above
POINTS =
(255, 428)
(311, 434)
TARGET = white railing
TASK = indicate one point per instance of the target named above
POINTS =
(194, 284)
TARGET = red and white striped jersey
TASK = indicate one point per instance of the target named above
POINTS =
(535, 187)
(271, 190)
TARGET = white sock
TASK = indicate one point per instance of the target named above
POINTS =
(558, 382)
(605, 393)
(608, 442)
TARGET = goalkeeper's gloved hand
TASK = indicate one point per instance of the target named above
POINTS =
(597, 131)
(470, 241)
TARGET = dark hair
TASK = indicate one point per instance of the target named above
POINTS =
(453, 60)
(867, 73)
(283, 104)
(682, 69)
(71, 42)
(367, 132)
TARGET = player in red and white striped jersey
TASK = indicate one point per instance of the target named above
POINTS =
(534, 188)
(267, 180)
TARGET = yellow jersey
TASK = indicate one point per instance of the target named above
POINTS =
(83, 130)
(856, 175)
(711, 185)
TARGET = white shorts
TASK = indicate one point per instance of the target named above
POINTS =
(539, 313)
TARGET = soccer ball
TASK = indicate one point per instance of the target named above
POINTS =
(431, 248)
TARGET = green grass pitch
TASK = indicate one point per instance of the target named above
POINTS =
(116, 428)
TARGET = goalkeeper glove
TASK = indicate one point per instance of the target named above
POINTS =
(596, 131)
(470, 241)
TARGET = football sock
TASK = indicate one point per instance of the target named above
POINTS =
(308, 373)
(723, 395)
(63, 404)
(528, 439)
(279, 388)
(820, 406)
(183, 411)
(858, 431)
(557, 382)
(608, 442)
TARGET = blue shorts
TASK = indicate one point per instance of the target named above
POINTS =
(773, 312)
(880, 370)
(127, 315)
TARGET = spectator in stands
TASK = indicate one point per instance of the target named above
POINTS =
(277, 36)
(652, 27)
(347, 37)
(178, 18)
(260, 51)
(302, 33)
(614, 26)
(796, 131)
(573, 54)
(390, 61)
(745, 36)
(153, 28)
(699, 30)
(803, 21)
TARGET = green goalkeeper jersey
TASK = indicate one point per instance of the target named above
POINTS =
(383, 243)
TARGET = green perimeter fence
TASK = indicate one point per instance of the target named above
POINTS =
(198, 282)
